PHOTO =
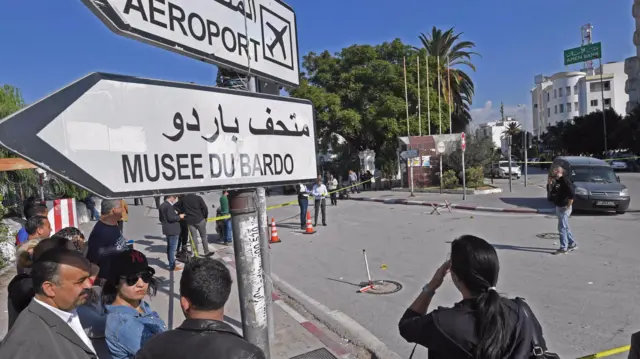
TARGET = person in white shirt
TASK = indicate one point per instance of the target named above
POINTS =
(49, 327)
(320, 194)
(333, 188)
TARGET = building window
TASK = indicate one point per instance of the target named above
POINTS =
(548, 96)
(555, 93)
(561, 108)
(569, 107)
(575, 106)
(593, 87)
(568, 90)
(607, 85)
(594, 103)
(535, 106)
(607, 103)
(560, 92)
(575, 89)
(555, 109)
(548, 112)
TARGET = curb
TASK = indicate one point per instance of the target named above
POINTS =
(334, 346)
(337, 321)
(456, 206)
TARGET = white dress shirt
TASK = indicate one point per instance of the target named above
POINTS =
(319, 191)
(71, 318)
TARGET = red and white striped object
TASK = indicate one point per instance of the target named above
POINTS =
(62, 214)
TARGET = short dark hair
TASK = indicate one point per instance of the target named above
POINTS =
(33, 223)
(48, 244)
(206, 283)
(109, 205)
(69, 233)
(47, 267)
(35, 210)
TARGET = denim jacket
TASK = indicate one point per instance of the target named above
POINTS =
(127, 329)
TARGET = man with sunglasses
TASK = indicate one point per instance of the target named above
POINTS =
(204, 290)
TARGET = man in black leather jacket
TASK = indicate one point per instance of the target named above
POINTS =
(204, 289)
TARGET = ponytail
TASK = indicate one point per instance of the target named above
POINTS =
(491, 326)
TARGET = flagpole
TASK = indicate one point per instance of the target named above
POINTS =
(419, 105)
(426, 60)
(450, 97)
(439, 95)
(406, 98)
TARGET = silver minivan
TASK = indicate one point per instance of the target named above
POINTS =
(597, 186)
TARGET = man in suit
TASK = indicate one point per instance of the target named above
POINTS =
(49, 327)
(170, 220)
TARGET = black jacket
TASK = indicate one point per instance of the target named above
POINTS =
(449, 333)
(195, 209)
(562, 190)
(170, 219)
(199, 339)
(20, 294)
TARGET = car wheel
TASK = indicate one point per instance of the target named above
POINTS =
(621, 212)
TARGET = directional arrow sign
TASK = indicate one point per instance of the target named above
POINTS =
(120, 136)
(260, 35)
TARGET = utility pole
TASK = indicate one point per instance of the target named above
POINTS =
(419, 104)
(509, 154)
(604, 117)
(525, 144)
(249, 264)
(406, 97)
(263, 223)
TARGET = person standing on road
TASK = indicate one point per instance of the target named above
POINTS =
(196, 214)
(182, 251)
(482, 325)
(224, 210)
(303, 202)
(204, 290)
(49, 327)
(106, 238)
(170, 220)
(562, 192)
(333, 188)
(319, 193)
(353, 181)
(125, 214)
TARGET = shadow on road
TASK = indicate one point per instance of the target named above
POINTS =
(524, 249)
(344, 282)
(527, 202)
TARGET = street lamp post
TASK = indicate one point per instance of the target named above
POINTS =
(525, 144)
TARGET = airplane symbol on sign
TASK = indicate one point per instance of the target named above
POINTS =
(279, 39)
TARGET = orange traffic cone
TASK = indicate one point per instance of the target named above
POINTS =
(310, 229)
(274, 232)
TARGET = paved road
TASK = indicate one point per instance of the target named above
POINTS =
(585, 300)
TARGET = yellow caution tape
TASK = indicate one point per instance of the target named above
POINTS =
(606, 159)
(295, 202)
(607, 353)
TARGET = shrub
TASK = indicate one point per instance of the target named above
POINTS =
(449, 179)
(474, 177)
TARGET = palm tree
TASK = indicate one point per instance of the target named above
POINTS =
(447, 46)
(513, 129)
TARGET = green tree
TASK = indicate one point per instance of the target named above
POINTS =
(359, 94)
(17, 185)
(480, 152)
(447, 46)
(502, 111)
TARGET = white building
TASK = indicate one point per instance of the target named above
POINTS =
(566, 95)
(632, 64)
(495, 131)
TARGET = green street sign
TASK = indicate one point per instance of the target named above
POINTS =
(583, 54)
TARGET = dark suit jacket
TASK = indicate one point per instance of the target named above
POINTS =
(170, 219)
(634, 352)
(41, 334)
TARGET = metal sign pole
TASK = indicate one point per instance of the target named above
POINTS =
(246, 245)
(509, 154)
(526, 161)
(464, 179)
(441, 173)
(604, 118)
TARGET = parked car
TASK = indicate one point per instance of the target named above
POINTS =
(501, 170)
(597, 186)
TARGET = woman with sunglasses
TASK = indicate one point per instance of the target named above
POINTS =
(130, 320)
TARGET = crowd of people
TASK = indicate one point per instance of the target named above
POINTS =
(75, 298)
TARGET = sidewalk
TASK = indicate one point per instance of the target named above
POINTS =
(294, 333)
(529, 199)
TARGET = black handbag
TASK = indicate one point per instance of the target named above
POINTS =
(537, 351)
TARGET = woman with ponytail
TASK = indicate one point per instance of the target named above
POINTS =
(484, 325)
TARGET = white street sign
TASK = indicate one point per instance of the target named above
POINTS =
(120, 136)
(441, 147)
(240, 34)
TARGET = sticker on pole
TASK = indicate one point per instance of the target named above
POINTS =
(441, 147)
(463, 142)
